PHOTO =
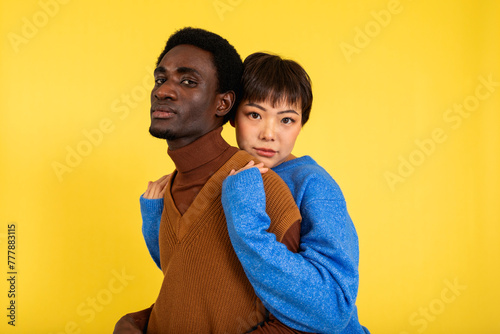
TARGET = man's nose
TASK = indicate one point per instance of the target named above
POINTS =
(166, 91)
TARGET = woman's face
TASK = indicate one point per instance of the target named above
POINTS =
(268, 132)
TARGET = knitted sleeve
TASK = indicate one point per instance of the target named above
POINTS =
(151, 210)
(314, 290)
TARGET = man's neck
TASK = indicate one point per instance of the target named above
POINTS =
(179, 143)
(195, 164)
(199, 152)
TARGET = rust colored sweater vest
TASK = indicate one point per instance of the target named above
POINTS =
(205, 289)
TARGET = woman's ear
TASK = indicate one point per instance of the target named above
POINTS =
(225, 103)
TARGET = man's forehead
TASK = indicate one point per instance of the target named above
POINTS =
(187, 56)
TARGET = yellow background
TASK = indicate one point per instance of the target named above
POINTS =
(421, 182)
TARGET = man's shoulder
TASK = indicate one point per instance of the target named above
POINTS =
(239, 160)
(273, 183)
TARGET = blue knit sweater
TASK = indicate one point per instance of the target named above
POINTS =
(313, 290)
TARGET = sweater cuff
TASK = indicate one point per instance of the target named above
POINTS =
(244, 202)
(244, 191)
(246, 187)
(151, 206)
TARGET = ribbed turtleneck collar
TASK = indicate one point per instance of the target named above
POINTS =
(200, 152)
(195, 164)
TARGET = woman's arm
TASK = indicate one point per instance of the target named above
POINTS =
(313, 290)
(151, 209)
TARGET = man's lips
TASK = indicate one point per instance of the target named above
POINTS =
(162, 112)
(265, 152)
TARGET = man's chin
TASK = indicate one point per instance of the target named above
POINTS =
(161, 133)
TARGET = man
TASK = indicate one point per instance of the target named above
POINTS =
(205, 289)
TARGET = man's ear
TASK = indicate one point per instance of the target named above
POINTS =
(225, 103)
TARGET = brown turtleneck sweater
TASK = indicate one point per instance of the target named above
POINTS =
(195, 165)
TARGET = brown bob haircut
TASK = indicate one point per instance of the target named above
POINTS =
(270, 78)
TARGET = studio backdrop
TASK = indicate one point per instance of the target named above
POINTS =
(406, 118)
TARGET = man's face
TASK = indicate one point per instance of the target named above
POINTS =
(268, 132)
(184, 99)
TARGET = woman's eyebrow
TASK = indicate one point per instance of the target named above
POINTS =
(251, 104)
(288, 111)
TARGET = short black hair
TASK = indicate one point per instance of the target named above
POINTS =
(268, 77)
(226, 59)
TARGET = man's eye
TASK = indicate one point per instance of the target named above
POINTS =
(188, 82)
(287, 120)
(159, 81)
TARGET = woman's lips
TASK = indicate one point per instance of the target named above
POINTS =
(265, 152)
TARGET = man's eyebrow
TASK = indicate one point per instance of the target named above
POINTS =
(180, 70)
(188, 70)
(159, 69)
(279, 112)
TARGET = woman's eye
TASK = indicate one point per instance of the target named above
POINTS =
(287, 120)
(254, 115)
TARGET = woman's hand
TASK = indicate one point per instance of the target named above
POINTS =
(157, 188)
(250, 164)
